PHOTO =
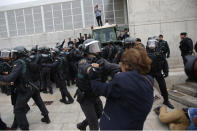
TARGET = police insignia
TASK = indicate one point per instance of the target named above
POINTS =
(15, 65)
(83, 61)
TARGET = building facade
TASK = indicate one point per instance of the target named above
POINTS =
(46, 22)
(168, 17)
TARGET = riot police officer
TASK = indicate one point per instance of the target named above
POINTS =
(59, 77)
(89, 68)
(35, 68)
(45, 71)
(128, 43)
(19, 76)
(186, 46)
(156, 68)
(109, 52)
(164, 48)
(5, 68)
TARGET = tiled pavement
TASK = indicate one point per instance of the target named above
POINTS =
(65, 117)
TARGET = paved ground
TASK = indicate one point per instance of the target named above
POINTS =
(65, 117)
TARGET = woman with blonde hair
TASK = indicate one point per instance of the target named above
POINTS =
(130, 93)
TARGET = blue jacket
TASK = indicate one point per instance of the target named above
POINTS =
(192, 112)
(129, 100)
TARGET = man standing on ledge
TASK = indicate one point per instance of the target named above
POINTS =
(186, 46)
(98, 15)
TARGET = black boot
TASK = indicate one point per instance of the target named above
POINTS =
(51, 91)
(64, 101)
(70, 100)
(14, 125)
(45, 91)
(82, 126)
(167, 103)
(46, 119)
(68, 83)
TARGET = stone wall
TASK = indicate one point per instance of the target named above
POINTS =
(167, 17)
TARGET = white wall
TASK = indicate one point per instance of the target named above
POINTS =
(49, 39)
(168, 17)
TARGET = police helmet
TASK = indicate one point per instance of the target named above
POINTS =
(56, 51)
(129, 42)
(152, 43)
(5, 53)
(19, 51)
(91, 46)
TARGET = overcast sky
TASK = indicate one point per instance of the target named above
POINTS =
(9, 2)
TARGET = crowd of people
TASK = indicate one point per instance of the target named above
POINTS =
(123, 73)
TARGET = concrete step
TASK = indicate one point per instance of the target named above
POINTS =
(183, 98)
(186, 89)
(193, 84)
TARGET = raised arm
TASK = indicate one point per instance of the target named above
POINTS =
(110, 89)
(14, 74)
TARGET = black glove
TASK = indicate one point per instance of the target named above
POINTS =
(94, 73)
(165, 74)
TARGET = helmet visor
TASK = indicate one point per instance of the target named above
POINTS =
(13, 52)
(5, 54)
(151, 43)
(94, 47)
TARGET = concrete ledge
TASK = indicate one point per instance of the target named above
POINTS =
(183, 98)
(186, 89)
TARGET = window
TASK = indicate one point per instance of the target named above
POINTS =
(88, 13)
(67, 15)
(48, 18)
(20, 23)
(59, 17)
(77, 14)
(29, 25)
(3, 29)
(37, 17)
(12, 23)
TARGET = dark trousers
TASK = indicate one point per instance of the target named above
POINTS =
(165, 66)
(93, 110)
(61, 84)
(45, 79)
(99, 21)
(184, 55)
(184, 60)
(20, 108)
(162, 84)
(3, 126)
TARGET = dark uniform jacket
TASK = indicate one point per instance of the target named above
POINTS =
(186, 46)
(17, 75)
(58, 66)
(163, 46)
(129, 100)
(157, 61)
(83, 78)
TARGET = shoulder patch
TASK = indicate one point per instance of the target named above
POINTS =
(83, 61)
